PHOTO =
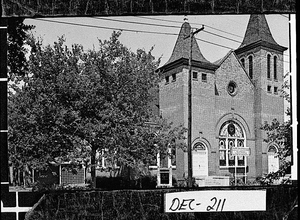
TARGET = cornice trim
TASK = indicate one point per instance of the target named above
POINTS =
(185, 62)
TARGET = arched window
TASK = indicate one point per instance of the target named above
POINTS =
(231, 135)
(250, 67)
(268, 66)
(275, 68)
(273, 159)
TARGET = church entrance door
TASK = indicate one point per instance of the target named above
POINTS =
(200, 160)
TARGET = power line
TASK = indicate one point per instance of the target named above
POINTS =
(130, 30)
(192, 23)
(219, 45)
(109, 28)
(222, 36)
(135, 22)
(161, 25)
(170, 26)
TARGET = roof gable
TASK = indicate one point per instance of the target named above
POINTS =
(231, 57)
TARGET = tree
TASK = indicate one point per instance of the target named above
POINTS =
(17, 37)
(76, 102)
(280, 134)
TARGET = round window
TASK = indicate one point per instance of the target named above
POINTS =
(232, 88)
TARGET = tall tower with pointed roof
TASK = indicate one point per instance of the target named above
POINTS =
(262, 58)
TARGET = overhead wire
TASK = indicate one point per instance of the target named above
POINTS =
(165, 20)
(139, 31)
(171, 26)
(158, 19)
(102, 27)
(161, 25)
(124, 29)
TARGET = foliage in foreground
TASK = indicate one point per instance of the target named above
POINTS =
(280, 135)
(281, 203)
(76, 106)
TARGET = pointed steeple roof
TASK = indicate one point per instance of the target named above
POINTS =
(258, 31)
(182, 46)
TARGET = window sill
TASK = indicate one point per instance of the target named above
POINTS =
(155, 167)
(227, 167)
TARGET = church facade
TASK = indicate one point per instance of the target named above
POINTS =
(231, 99)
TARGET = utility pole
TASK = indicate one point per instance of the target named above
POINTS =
(189, 147)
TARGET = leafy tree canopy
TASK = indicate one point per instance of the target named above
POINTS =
(17, 37)
(74, 104)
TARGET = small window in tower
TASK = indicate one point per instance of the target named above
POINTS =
(173, 77)
(269, 66)
(269, 89)
(275, 68)
(167, 79)
(243, 62)
(275, 90)
(195, 75)
(251, 67)
(204, 77)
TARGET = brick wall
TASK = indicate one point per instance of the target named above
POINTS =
(212, 105)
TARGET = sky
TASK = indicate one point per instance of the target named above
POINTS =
(221, 32)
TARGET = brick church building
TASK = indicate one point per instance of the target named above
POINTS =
(231, 99)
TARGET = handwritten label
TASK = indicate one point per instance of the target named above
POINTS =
(216, 201)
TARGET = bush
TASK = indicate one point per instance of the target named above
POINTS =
(148, 204)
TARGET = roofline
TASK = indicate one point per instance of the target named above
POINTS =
(260, 43)
(220, 61)
(244, 70)
(184, 61)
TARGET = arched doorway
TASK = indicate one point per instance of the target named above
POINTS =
(273, 159)
(200, 159)
(231, 138)
(231, 135)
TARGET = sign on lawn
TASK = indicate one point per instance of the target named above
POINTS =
(215, 201)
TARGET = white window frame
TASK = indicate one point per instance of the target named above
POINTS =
(169, 162)
(273, 155)
(227, 149)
